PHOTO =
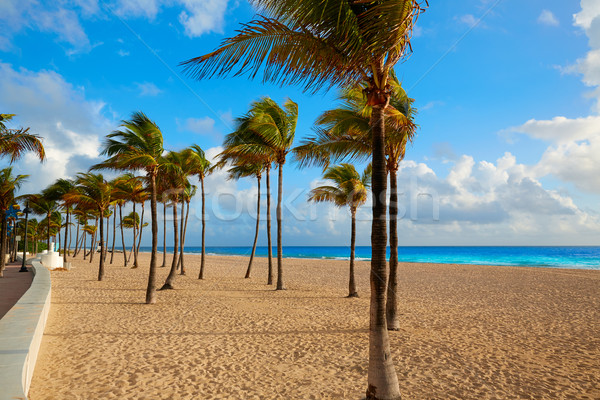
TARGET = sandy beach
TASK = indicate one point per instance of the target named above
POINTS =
(468, 332)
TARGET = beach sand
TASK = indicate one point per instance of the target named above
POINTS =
(468, 332)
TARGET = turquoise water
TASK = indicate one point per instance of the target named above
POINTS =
(584, 257)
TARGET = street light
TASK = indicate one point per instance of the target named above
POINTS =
(26, 211)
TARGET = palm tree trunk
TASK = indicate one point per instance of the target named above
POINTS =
(280, 285)
(184, 234)
(203, 255)
(392, 290)
(137, 249)
(382, 378)
(93, 246)
(66, 237)
(101, 236)
(269, 244)
(164, 263)
(256, 233)
(135, 263)
(122, 235)
(151, 290)
(105, 253)
(3, 231)
(351, 281)
(76, 241)
(84, 244)
(114, 235)
(70, 239)
(48, 227)
(171, 277)
(179, 265)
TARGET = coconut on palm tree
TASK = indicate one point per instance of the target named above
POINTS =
(139, 145)
(349, 189)
(321, 44)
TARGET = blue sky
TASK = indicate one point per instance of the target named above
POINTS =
(507, 92)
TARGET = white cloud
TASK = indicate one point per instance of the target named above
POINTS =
(548, 18)
(201, 126)
(64, 22)
(70, 124)
(590, 10)
(203, 16)
(589, 66)
(64, 19)
(148, 89)
(468, 19)
(561, 129)
(123, 53)
(137, 8)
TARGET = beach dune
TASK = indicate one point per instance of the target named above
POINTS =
(467, 332)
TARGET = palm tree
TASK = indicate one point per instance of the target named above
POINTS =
(344, 132)
(123, 187)
(44, 206)
(139, 195)
(178, 180)
(188, 193)
(267, 133)
(95, 191)
(245, 169)
(59, 191)
(349, 189)
(15, 142)
(198, 165)
(8, 185)
(139, 146)
(328, 43)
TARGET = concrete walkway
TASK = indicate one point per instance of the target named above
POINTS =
(13, 286)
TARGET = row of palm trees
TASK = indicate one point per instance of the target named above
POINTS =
(137, 145)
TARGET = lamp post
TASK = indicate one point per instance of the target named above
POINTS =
(26, 211)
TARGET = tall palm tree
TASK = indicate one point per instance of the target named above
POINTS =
(344, 132)
(188, 193)
(329, 43)
(139, 145)
(178, 182)
(95, 191)
(8, 185)
(59, 191)
(241, 135)
(44, 206)
(139, 195)
(200, 166)
(267, 133)
(246, 169)
(349, 189)
(15, 142)
(122, 189)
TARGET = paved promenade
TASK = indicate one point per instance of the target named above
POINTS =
(13, 286)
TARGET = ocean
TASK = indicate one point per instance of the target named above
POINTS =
(583, 257)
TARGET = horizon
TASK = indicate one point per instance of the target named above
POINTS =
(503, 158)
